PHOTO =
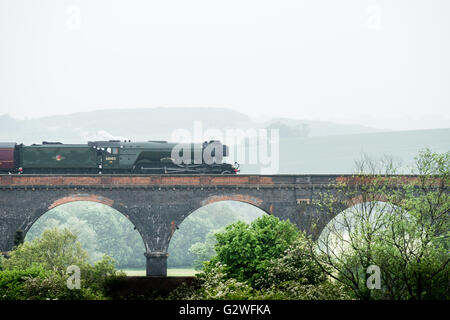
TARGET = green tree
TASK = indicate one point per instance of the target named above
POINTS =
(195, 228)
(245, 250)
(100, 230)
(293, 275)
(12, 282)
(413, 251)
(203, 251)
(296, 264)
(51, 255)
(408, 241)
(54, 251)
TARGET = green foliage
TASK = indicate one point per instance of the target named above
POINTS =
(245, 250)
(413, 251)
(296, 290)
(38, 284)
(408, 241)
(203, 251)
(12, 282)
(215, 284)
(38, 269)
(97, 276)
(296, 264)
(54, 287)
(100, 230)
(294, 276)
(196, 227)
(54, 251)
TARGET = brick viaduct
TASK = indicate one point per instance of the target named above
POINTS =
(157, 204)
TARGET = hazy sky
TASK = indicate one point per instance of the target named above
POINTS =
(377, 63)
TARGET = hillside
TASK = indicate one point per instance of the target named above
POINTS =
(146, 124)
(305, 146)
(337, 154)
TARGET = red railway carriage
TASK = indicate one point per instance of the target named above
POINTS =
(7, 151)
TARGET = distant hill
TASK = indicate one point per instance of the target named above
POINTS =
(305, 146)
(325, 128)
(133, 124)
(147, 124)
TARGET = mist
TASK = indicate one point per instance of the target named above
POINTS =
(382, 64)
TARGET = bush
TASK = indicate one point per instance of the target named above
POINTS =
(297, 290)
(245, 250)
(54, 287)
(38, 269)
(296, 264)
(12, 282)
(214, 284)
(203, 251)
(39, 284)
(291, 273)
(55, 250)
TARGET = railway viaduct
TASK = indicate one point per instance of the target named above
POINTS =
(157, 204)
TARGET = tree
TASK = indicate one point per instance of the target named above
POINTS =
(196, 227)
(245, 250)
(296, 264)
(413, 252)
(87, 220)
(121, 241)
(292, 275)
(203, 251)
(405, 236)
(54, 251)
(287, 131)
(38, 269)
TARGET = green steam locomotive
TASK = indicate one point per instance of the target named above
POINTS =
(116, 157)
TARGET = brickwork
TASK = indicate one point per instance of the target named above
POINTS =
(82, 197)
(156, 204)
(31, 180)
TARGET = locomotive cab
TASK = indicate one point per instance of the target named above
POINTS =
(110, 158)
(108, 154)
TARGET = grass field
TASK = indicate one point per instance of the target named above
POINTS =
(337, 154)
(171, 272)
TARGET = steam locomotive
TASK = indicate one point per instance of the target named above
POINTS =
(116, 157)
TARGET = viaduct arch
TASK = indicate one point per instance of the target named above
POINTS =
(156, 204)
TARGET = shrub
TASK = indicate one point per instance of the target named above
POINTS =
(12, 282)
(296, 264)
(38, 269)
(245, 250)
(214, 284)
